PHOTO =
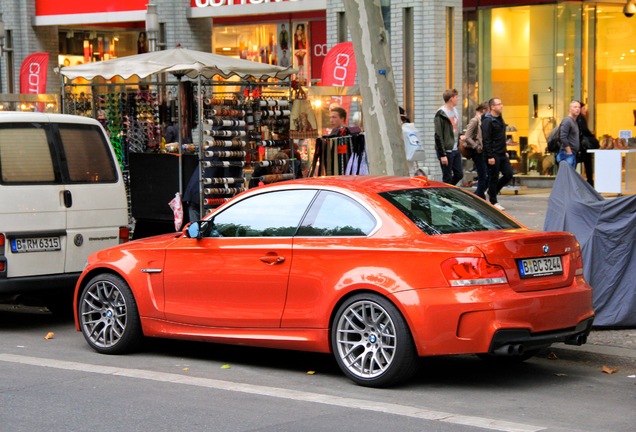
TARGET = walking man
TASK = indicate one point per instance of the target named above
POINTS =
(493, 132)
(569, 135)
(447, 138)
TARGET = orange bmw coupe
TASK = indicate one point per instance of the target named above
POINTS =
(376, 270)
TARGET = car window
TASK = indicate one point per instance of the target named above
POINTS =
(448, 210)
(272, 214)
(88, 157)
(25, 155)
(335, 214)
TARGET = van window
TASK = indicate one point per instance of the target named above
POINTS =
(25, 156)
(88, 157)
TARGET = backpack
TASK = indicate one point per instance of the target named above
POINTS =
(554, 140)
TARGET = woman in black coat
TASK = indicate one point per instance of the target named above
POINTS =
(591, 143)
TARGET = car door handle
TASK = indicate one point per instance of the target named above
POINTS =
(68, 199)
(273, 259)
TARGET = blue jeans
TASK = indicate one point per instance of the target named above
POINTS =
(569, 158)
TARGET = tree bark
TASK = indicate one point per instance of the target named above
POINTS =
(383, 130)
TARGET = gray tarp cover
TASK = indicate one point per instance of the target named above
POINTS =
(606, 230)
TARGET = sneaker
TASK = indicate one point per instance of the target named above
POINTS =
(499, 206)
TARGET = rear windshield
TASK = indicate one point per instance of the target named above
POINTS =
(448, 210)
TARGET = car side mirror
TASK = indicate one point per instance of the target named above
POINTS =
(194, 230)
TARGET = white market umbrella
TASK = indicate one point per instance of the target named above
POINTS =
(180, 62)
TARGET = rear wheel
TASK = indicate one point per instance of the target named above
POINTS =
(372, 343)
(108, 315)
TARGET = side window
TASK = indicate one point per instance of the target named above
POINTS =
(334, 214)
(25, 155)
(273, 214)
(88, 157)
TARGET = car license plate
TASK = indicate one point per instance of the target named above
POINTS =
(35, 244)
(544, 266)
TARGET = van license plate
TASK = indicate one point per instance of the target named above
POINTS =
(36, 244)
(544, 266)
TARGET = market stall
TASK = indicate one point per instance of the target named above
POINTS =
(233, 120)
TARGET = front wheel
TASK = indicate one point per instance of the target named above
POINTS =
(372, 343)
(108, 315)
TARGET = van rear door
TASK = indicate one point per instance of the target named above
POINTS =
(32, 212)
(95, 193)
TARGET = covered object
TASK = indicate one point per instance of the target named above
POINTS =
(606, 230)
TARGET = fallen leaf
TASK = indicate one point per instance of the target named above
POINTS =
(311, 372)
(609, 370)
(225, 366)
(559, 374)
(552, 356)
(49, 335)
(186, 369)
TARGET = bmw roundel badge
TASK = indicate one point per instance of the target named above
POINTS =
(546, 249)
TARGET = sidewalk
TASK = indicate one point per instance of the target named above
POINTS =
(614, 348)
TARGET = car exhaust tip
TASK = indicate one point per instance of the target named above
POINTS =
(576, 340)
(509, 350)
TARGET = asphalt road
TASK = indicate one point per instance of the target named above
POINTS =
(61, 384)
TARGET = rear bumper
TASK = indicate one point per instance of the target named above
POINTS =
(511, 341)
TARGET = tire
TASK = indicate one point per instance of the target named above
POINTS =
(372, 343)
(108, 316)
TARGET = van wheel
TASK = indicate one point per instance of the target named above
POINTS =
(372, 342)
(108, 315)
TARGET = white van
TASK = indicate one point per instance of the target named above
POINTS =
(62, 197)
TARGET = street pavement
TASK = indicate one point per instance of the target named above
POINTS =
(610, 347)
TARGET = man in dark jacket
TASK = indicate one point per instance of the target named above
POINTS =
(493, 134)
(447, 138)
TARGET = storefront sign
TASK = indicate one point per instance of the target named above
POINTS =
(339, 67)
(217, 3)
(33, 73)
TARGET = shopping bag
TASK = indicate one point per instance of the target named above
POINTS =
(412, 144)
(177, 208)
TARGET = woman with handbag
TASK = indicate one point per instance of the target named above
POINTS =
(473, 141)
(587, 142)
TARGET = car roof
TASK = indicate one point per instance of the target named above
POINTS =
(368, 183)
(18, 116)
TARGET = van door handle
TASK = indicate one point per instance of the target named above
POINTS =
(68, 199)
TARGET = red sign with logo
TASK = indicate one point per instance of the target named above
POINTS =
(33, 73)
(339, 67)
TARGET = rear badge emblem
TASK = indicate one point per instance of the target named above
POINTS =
(546, 249)
(78, 240)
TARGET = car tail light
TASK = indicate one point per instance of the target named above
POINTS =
(577, 259)
(1, 244)
(472, 271)
(124, 234)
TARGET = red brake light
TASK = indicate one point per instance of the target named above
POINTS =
(472, 271)
(1, 240)
(124, 234)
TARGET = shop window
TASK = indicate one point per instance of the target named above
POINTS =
(615, 81)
